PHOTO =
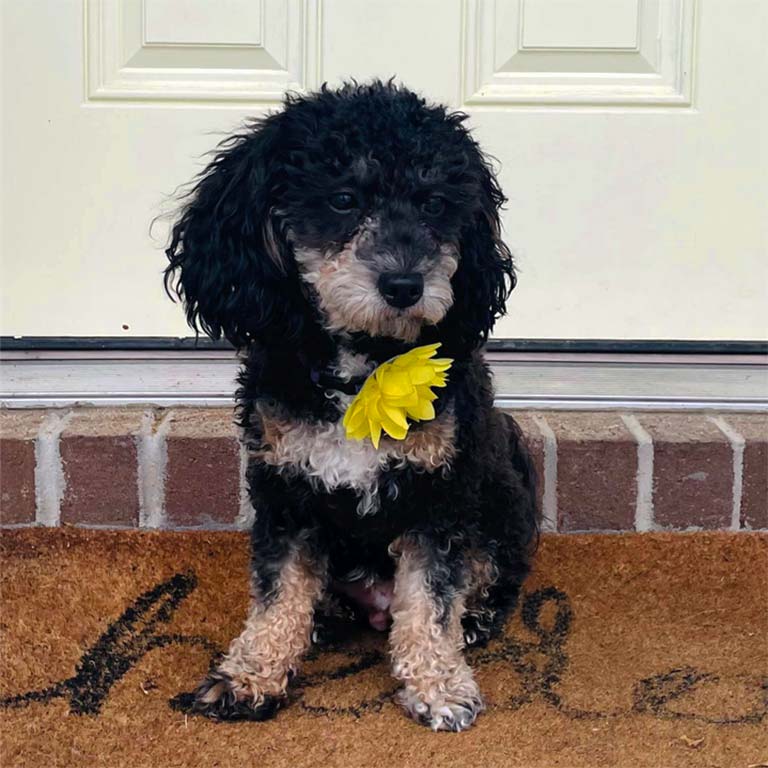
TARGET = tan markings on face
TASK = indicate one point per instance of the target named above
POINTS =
(349, 298)
(260, 661)
(438, 686)
(438, 292)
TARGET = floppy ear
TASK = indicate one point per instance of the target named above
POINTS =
(486, 273)
(226, 262)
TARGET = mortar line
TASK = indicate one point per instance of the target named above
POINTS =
(50, 481)
(14, 526)
(737, 442)
(644, 515)
(549, 497)
(152, 459)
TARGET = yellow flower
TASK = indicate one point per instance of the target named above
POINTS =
(397, 390)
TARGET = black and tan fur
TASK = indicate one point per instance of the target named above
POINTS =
(321, 241)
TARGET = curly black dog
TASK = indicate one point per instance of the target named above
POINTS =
(321, 241)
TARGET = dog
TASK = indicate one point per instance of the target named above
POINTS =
(323, 240)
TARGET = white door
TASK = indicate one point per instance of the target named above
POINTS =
(630, 135)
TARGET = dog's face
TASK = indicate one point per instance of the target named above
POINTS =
(386, 264)
(374, 214)
(365, 204)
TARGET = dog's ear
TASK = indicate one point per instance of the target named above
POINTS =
(226, 261)
(486, 275)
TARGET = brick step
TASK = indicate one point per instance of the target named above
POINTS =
(184, 468)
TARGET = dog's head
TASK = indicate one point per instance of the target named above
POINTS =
(363, 210)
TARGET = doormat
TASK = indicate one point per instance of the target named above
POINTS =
(625, 650)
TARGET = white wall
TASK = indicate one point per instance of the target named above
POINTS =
(630, 136)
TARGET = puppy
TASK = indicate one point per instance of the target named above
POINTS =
(322, 241)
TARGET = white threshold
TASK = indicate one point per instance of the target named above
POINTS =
(575, 381)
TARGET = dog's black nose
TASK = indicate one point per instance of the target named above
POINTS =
(401, 289)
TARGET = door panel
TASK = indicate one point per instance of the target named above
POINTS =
(628, 134)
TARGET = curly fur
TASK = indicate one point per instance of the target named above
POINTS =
(261, 254)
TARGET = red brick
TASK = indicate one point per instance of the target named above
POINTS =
(99, 459)
(18, 430)
(202, 487)
(692, 471)
(535, 443)
(596, 472)
(753, 427)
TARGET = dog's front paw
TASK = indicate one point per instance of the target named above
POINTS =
(441, 708)
(220, 697)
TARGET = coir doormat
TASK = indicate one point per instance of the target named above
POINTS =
(632, 650)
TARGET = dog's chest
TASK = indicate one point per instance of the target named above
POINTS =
(321, 452)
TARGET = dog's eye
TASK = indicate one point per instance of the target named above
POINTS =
(434, 205)
(342, 202)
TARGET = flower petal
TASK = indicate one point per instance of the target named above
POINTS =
(360, 433)
(424, 411)
(375, 430)
(425, 393)
(377, 376)
(402, 402)
(421, 374)
(414, 355)
(394, 430)
(396, 384)
(355, 416)
(427, 350)
(394, 413)
(372, 407)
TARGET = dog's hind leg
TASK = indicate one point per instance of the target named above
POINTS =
(251, 681)
(427, 639)
(481, 615)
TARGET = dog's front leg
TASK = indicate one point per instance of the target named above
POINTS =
(426, 638)
(250, 683)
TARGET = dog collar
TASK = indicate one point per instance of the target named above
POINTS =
(398, 390)
(325, 380)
